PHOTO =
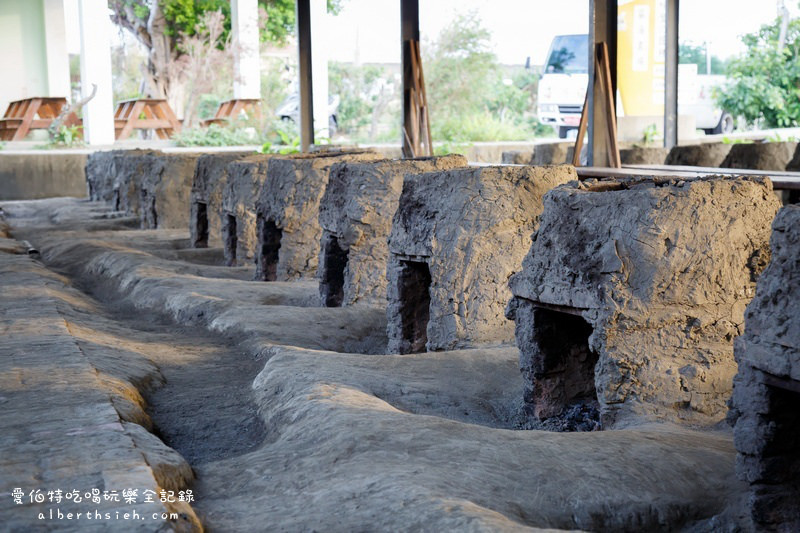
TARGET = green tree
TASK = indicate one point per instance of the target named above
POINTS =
(696, 54)
(162, 26)
(472, 98)
(764, 84)
(367, 97)
(460, 68)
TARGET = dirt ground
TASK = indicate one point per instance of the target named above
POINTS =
(289, 415)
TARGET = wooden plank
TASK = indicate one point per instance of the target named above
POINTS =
(576, 151)
(611, 115)
(131, 115)
(149, 113)
(170, 115)
(425, 115)
(786, 181)
(30, 112)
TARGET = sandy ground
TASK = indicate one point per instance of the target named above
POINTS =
(288, 413)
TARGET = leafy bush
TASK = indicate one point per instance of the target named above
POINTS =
(765, 81)
(66, 137)
(472, 98)
(217, 135)
(369, 101)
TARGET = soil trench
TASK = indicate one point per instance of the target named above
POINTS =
(205, 409)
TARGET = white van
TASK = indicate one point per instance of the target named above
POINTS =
(562, 89)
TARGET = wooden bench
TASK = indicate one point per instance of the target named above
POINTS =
(230, 109)
(36, 113)
(157, 115)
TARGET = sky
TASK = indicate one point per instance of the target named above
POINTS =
(522, 28)
(369, 30)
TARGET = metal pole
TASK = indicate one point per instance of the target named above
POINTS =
(602, 28)
(304, 73)
(671, 76)
(409, 31)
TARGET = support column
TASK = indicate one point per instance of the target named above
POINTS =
(247, 68)
(98, 114)
(55, 33)
(409, 31)
(602, 28)
(304, 73)
(319, 67)
(671, 76)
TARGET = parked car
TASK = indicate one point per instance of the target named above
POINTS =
(289, 110)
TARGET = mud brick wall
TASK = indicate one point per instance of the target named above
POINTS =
(287, 213)
(100, 175)
(209, 179)
(456, 238)
(643, 155)
(699, 155)
(166, 190)
(766, 398)
(130, 168)
(238, 211)
(760, 156)
(356, 217)
(633, 291)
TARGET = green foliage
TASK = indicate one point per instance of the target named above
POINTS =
(447, 147)
(234, 134)
(283, 137)
(696, 54)
(369, 101)
(777, 138)
(66, 137)
(183, 16)
(737, 140)
(650, 135)
(460, 69)
(472, 98)
(764, 85)
(274, 85)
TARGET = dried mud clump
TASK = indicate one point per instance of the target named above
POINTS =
(287, 213)
(166, 189)
(356, 218)
(245, 179)
(456, 238)
(766, 395)
(633, 292)
(210, 176)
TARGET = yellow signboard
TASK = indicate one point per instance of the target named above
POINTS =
(641, 28)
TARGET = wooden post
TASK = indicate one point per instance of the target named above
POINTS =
(409, 33)
(304, 64)
(602, 29)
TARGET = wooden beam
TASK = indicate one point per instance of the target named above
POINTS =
(602, 29)
(409, 33)
(306, 103)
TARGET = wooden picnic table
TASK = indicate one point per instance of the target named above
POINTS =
(230, 109)
(35, 113)
(145, 114)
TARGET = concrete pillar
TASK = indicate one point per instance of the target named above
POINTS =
(98, 114)
(55, 33)
(319, 66)
(247, 69)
